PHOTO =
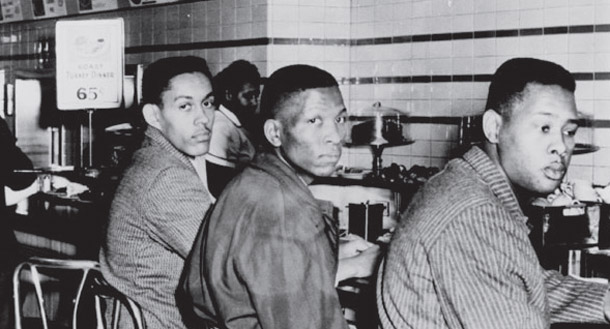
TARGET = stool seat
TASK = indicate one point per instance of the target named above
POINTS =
(101, 297)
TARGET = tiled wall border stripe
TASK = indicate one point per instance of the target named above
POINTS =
(198, 45)
(453, 120)
(17, 57)
(579, 76)
(237, 43)
(601, 123)
(573, 29)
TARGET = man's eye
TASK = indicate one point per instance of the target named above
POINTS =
(314, 120)
(185, 107)
(208, 103)
(571, 132)
(545, 129)
(341, 119)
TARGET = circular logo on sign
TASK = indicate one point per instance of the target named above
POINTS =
(89, 46)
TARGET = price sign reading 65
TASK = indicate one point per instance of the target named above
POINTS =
(90, 64)
(90, 93)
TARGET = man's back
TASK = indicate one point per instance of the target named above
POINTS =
(454, 248)
(149, 235)
(267, 257)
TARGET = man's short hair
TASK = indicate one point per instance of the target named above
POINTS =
(158, 74)
(236, 75)
(284, 83)
(509, 82)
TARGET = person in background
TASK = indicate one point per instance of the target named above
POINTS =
(161, 201)
(269, 254)
(13, 159)
(461, 257)
(232, 145)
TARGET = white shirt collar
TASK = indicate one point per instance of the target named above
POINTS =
(230, 115)
(200, 168)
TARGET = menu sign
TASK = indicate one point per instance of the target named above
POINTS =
(89, 64)
(88, 6)
(11, 10)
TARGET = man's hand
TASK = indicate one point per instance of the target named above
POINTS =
(72, 188)
(352, 245)
(58, 182)
(361, 265)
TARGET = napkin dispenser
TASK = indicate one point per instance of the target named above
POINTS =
(366, 220)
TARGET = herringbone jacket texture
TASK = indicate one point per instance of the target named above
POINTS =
(461, 258)
(156, 212)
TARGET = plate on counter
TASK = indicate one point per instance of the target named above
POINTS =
(353, 173)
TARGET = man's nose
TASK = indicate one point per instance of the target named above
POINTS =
(254, 100)
(203, 116)
(335, 133)
(560, 145)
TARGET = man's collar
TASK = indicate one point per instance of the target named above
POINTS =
(230, 115)
(281, 170)
(496, 179)
(156, 137)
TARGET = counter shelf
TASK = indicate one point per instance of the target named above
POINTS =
(58, 228)
(61, 226)
(377, 150)
(367, 180)
(582, 148)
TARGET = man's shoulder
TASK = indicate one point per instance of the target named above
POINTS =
(150, 162)
(255, 184)
(251, 191)
(445, 198)
(224, 135)
(154, 157)
(457, 182)
(221, 121)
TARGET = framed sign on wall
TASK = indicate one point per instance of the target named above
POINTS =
(88, 6)
(46, 9)
(11, 10)
(90, 64)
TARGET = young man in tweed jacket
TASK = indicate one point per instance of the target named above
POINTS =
(461, 256)
(161, 201)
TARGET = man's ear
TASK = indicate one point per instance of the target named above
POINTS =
(228, 95)
(492, 122)
(151, 115)
(273, 132)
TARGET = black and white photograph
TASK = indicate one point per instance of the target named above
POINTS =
(315, 164)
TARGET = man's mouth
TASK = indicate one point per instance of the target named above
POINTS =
(334, 156)
(555, 171)
(201, 137)
(331, 158)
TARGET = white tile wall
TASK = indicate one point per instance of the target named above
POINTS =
(304, 22)
(581, 52)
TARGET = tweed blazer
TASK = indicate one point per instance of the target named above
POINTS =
(154, 217)
(461, 258)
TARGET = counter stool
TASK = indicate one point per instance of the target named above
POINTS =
(91, 284)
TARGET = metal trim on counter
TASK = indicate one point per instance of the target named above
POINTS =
(416, 119)
(366, 182)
